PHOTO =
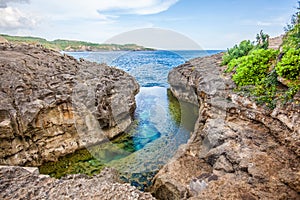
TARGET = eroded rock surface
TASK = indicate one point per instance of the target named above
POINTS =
(19, 183)
(52, 104)
(238, 150)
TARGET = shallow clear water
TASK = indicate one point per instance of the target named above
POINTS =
(162, 123)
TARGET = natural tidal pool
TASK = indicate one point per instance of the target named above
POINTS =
(161, 125)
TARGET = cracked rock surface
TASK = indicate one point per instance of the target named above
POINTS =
(238, 149)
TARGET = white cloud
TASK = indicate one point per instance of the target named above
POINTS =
(261, 23)
(144, 7)
(105, 11)
(278, 21)
(101, 9)
(91, 20)
(13, 18)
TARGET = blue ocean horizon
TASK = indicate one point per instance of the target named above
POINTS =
(150, 68)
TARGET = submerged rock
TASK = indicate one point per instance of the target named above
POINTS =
(238, 149)
(19, 183)
(52, 104)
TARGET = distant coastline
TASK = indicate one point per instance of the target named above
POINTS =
(74, 45)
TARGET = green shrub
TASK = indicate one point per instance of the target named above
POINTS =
(266, 92)
(237, 51)
(292, 39)
(262, 40)
(253, 68)
(289, 66)
(294, 88)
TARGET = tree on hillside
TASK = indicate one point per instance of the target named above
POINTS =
(295, 19)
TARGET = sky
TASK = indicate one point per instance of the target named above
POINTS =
(212, 24)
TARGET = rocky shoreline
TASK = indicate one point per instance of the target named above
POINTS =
(238, 150)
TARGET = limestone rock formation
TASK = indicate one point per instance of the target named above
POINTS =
(52, 104)
(238, 150)
(19, 183)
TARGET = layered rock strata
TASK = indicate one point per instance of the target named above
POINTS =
(51, 104)
(239, 150)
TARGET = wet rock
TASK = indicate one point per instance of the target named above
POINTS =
(238, 149)
(19, 183)
(52, 104)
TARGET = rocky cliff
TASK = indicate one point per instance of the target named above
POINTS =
(238, 150)
(52, 104)
(21, 183)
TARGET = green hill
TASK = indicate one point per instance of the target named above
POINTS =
(73, 45)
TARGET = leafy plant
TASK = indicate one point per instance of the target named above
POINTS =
(237, 51)
(292, 38)
(262, 40)
(266, 92)
(253, 68)
(294, 88)
(294, 21)
(289, 66)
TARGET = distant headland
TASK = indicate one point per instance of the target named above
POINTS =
(74, 45)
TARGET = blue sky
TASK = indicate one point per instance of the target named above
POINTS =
(213, 24)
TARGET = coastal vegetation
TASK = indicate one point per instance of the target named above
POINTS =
(267, 75)
(73, 45)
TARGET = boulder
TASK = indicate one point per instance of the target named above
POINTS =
(51, 104)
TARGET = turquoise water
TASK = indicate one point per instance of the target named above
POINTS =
(161, 125)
